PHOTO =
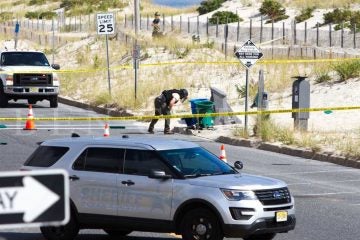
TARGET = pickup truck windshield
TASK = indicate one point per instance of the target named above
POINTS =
(23, 59)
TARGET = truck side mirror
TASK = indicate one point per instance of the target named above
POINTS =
(55, 66)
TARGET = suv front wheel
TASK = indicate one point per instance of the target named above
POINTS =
(66, 232)
(201, 224)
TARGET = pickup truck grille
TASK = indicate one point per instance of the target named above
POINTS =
(274, 196)
(31, 79)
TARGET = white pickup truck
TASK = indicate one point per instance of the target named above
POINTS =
(27, 75)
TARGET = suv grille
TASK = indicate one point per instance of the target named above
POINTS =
(274, 196)
(32, 79)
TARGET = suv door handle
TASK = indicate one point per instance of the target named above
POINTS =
(74, 178)
(128, 183)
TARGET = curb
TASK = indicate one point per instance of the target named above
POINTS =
(101, 110)
(292, 151)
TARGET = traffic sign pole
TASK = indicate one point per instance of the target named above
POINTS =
(246, 99)
(108, 63)
(106, 26)
(248, 55)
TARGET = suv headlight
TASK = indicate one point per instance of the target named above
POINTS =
(237, 195)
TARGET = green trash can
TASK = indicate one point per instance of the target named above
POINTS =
(202, 107)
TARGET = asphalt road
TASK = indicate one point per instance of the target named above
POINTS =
(327, 196)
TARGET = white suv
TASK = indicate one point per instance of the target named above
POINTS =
(130, 184)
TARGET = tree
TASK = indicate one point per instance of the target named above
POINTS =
(273, 9)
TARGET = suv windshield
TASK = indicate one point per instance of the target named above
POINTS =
(23, 59)
(196, 162)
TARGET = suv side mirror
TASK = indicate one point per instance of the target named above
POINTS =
(55, 66)
(238, 165)
(159, 174)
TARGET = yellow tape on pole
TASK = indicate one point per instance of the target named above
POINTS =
(149, 117)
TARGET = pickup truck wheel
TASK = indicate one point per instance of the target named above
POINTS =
(3, 98)
(31, 101)
(116, 233)
(201, 224)
(265, 236)
(66, 232)
(53, 102)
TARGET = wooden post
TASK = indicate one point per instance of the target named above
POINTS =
(295, 42)
(305, 40)
(283, 32)
(125, 22)
(342, 34)
(207, 26)
(180, 23)
(238, 31)
(330, 35)
(354, 35)
(147, 22)
(197, 25)
(261, 28)
(317, 35)
(272, 32)
(217, 26)
(188, 24)
(250, 30)
(163, 22)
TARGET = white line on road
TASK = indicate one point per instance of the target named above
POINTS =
(309, 183)
(323, 194)
(315, 172)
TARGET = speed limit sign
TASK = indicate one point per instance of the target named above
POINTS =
(105, 23)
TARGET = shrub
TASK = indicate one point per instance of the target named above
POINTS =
(224, 17)
(337, 16)
(4, 16)
(322, 77)
(274, 10)
(209, 6)
(37, 2)
(347, 70)
(305, 14)
(40, 15)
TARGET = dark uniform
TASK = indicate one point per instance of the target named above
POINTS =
(162, 106)
(156, 25)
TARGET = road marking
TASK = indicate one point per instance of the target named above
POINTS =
(323, 194)
(320, 182)
(315, 172)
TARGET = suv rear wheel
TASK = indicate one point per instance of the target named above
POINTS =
(201, 224)
(67, 232)
(117, 233)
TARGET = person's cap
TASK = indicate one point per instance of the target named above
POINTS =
(183, 93)
(157, 14)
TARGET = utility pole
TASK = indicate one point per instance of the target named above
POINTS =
(136, 49)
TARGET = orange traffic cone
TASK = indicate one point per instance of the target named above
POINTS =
(30, 123)
(106, 130)
(223, 153)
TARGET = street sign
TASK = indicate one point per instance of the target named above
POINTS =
(105, 23)
(34, 198)
(248, 54)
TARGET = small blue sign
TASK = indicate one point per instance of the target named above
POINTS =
(17, 27)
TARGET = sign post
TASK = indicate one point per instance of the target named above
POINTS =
(106, 26)
(17, 30)
(34, 198)
(248, 55)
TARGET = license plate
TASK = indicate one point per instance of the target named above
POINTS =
(33, 90)
(281, 216)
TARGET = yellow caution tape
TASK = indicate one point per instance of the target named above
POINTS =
(149, 117)
(129, 66)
